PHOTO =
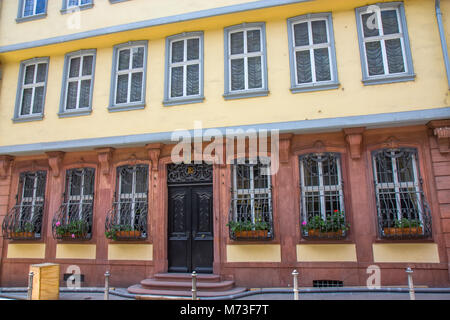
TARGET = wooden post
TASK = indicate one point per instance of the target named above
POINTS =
(295, 275)
(194, 285)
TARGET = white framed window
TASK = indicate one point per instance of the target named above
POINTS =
(251, 198)
(80, 193)
(28, 8)
(129, 76)
(77, 3)
(384, 43)
(184, 71)
(245, 61)
(312, 53)
(31, 90)
(78, 82)
(398, 190)
(74, 5)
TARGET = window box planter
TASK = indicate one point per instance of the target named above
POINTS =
(251, 234)
(403, 231)
(22, 235)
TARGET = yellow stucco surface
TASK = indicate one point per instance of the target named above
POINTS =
(406, 252)
(26, 251)
(254, 253)
(429, 89)
(326, 253)
(142, 252)
(75, 251)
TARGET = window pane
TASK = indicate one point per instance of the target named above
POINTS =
(177, 82)
(26, 101)
(72, 93)
(395, 56)
(254, 73)
(311, 172)
(89, 175)
(301, 36)
(87, 65)
(40, 6)
(319, 31)
(303, 59)
(126, 180)
(237, 42)
(374, 58)
(405, 168)
(330, 171)
(193, 79)
(28, 186)
(178, 51)
(124, 59)
(370, 24)
(85, 91)
(74, 70)
(38, 99)
(122, 88)
(390, 22)
(138, 57)
(237, 74)
(74, 182)
(41, 72)
(29, 74)
(384, 169)
(141, 179)
(28, 8)
(193, 49)
(322, 63)
(254, 41)
(136, 87)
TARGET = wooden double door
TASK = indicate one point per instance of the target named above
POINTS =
(190, 228)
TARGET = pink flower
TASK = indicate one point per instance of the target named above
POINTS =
(304, 223)
(58, 223)
(73, 236)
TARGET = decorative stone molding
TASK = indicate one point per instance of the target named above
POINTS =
(54, 161)
(392, 143)
(285, 147)
(5, 163)
(105, 158)
(441, 130)
(154, 152)
(354, 138)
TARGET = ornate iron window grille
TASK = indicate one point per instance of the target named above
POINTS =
(402, 209)
(251, 201)
(73, 220)
(24, 220)
(322, 198)
(187, 173)
(127, 219)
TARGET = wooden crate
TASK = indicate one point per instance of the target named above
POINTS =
(45, 281)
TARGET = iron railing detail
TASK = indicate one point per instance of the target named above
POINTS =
(127, 219)
(322, 198)
(24, 220)
(402, 209)
(251, 202)
(189, 173)
(73, 220)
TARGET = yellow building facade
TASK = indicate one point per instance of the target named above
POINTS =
(358, 87)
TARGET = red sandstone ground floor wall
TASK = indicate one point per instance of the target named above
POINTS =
(263, 263)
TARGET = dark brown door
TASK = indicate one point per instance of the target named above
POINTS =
(190, 231)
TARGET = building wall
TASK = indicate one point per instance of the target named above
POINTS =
(352, 98)
(345, 260)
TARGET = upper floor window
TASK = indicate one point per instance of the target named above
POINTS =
(322, 197)
(245, 61)
(78, 82)
(69, 5)
(251, 200)
(312, 53)
(384, 43)
(129, 76)
(184, 77)
(24, 221)
(402, 208)
(31, 90)
(31, 9)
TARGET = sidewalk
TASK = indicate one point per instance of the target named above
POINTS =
(257, 294)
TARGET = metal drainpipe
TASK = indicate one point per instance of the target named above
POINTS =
(443, 39)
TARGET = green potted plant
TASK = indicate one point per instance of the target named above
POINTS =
(26, 230)
(248, 229)
(74, 229)
(333, 226)
(405, 226)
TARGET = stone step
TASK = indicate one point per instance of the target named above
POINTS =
(201, 277)
(186, 285)
(157, 294)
